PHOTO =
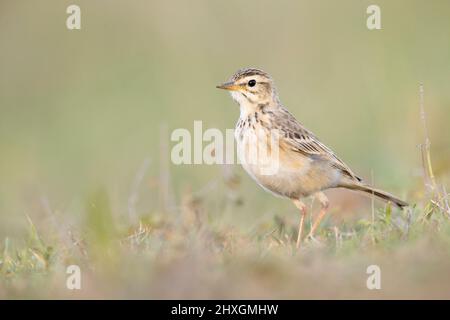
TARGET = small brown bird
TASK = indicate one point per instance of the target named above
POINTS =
(281, 155)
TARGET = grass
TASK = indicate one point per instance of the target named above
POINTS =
(193, 254)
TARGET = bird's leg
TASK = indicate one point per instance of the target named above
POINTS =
(323, 200)
(302, 207)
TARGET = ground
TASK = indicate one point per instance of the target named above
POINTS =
(192, 253)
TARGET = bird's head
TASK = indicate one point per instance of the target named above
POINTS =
(250, 87)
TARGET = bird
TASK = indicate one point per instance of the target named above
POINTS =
(283, 156)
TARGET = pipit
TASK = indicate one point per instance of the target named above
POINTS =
(304, 166)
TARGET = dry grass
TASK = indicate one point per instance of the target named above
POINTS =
(190, 253)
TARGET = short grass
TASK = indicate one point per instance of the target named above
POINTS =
(191, 253)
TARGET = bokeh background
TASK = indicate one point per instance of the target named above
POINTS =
(87, 114)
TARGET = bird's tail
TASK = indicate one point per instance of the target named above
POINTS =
(383, 195)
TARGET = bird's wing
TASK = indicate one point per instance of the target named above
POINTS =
(301, 140)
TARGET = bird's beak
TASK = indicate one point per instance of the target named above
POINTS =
(229, 86)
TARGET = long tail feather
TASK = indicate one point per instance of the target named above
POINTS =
(383, 195)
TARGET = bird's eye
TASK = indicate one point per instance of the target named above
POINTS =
(252, 83)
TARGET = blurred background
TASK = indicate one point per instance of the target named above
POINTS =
(92, 109)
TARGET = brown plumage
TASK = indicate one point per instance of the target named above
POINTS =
(298, 164)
